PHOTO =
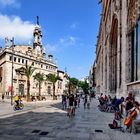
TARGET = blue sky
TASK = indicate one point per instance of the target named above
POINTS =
(69, 27)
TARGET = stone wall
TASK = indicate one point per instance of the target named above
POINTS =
(107, 63)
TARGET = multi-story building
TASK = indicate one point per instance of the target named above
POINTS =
(62, 84)
(118, 48)
(92, 78)
(15, 57)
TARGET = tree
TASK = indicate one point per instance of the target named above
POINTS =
(53, 78)
(73, 82)
(84, 85)
(28, 71)
(39, 77)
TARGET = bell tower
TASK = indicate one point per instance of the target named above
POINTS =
(37, 44)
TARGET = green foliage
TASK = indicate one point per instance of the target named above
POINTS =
(28, 71)
(52, 78)
(84, 85)
(73, 81)
(39, 77)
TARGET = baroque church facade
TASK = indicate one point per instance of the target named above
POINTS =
(118, 48)
(13, 58)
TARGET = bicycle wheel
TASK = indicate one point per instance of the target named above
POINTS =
(14, 107)
(21, 106)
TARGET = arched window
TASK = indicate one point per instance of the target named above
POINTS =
(49, 90)
(135, 51)
(113, 56)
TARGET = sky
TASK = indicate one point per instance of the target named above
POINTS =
(70, 29)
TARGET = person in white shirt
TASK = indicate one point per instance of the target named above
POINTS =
(136, 121)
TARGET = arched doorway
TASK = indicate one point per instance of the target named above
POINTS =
(113, 55)
(21, 89)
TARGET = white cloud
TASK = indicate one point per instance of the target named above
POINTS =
(14, 3)
(72, 39)
(62, 40)
(15, 27)
(51, 48)
(74, 25)
(61, 44)
(67, 41)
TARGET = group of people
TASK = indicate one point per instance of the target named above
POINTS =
(70, 102)
(130, 109)
(106, 103)
(126, 110)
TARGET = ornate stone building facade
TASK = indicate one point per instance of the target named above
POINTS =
(13, 58)
(92, 77)
(118, 48)
(62, 85)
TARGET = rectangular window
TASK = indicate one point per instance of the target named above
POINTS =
(60, 85)
(22, 60)
(135, 53)
(138, 51)
(10, 58)
(26, 61)
(14, 59)
(32, 63)
(132, 55)
(19, 60)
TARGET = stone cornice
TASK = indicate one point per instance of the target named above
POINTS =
(22, 55)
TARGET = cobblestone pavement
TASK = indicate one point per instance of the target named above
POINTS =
(50, 122)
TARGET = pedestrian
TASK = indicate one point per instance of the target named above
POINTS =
(71, 110)
(85, 100)
(3, 97)
(75, 101)
(88, 101)
(118, 105)
(78, 101)
(129, 102)
(64, 102)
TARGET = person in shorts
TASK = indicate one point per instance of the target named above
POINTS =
(71, 103)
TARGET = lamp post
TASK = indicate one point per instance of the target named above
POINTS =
(12, 72)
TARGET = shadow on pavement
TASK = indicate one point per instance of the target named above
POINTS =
(57, 105)
(32, 125)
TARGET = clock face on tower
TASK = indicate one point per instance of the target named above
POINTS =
(38, 49)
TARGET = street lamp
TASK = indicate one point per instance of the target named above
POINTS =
(12, 71)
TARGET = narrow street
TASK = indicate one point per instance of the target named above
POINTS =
(50, 122)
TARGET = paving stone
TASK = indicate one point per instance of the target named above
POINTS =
(60, 127)
(46, 138)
